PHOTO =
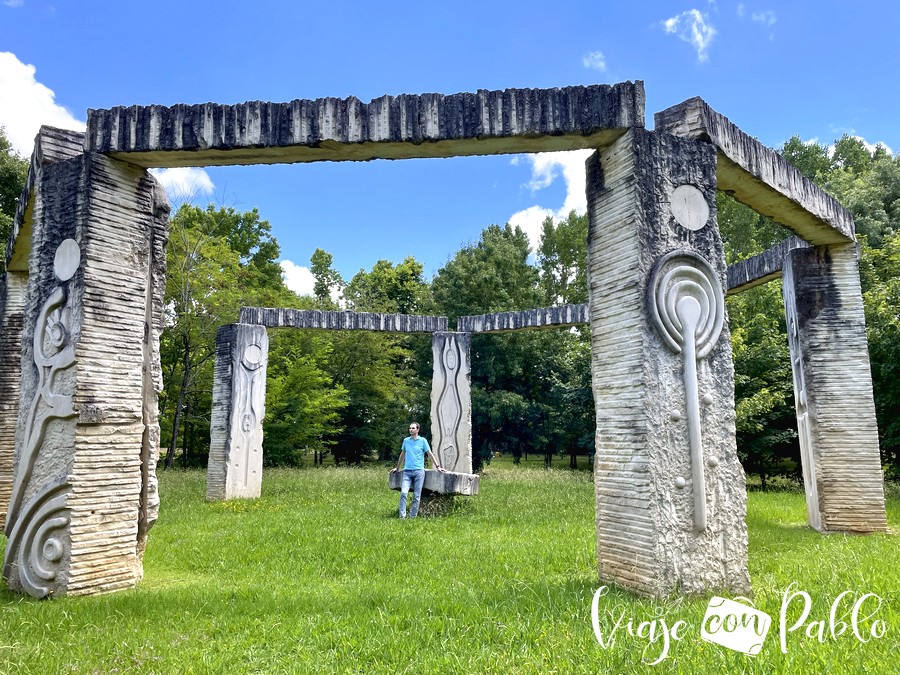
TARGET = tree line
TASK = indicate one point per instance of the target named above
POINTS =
(346, 397)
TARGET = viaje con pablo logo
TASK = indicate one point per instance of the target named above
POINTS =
(739, 626)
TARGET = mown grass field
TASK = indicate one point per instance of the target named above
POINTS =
(319, 575)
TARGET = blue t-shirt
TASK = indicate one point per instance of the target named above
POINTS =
(415, 453)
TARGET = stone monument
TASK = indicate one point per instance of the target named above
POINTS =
(82, 313)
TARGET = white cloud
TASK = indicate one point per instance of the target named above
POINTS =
(13, 3)
(546, 167)
(26, 104)
(594, 61)
(183, 184)
(298, 278)
(766, 18)
(740, 10)
(694, 28)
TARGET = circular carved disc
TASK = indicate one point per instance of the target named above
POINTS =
(67, 259)
(689, 207)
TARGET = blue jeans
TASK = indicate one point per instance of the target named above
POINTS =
(416, 479)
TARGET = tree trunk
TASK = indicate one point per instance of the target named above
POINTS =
(187, 441)
(170, 457)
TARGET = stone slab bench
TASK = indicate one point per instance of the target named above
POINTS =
(449, 483)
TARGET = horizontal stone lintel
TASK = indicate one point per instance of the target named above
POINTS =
(759, 177)
(447, 483)
(315, 319)
(545, 317)
(390, 127)
(761, 268)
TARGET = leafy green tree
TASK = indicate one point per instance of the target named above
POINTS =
(812, 159)
(399, 289)
(303, 405)
(868, 184)
(562, 257)
(379, 373)
(327, 278)
(492, 275)
(514, 401)
(218, 260)
(13, 172)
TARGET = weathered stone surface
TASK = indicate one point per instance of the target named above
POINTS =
(80, 492)
(662, 375)
(448, 483)
(451, 401)
(51, 145)
(13, 288)
(390, 127)
(761, 268)
(833, 390)
(341, 320)
(238, 409)
(564, 315)
(759, 177)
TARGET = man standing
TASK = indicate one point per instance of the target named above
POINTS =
(412, 458)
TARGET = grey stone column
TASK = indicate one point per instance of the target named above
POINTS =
(83, 495)
(238, 408)
(451, 401)
(13, 288)
(670, 491)
(833, 390)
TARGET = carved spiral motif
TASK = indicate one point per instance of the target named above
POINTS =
(688, 308)
(35, 545)
(52, 330)
(686, 294)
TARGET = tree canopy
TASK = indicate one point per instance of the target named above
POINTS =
(13, 172)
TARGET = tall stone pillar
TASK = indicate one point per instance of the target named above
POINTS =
(238, 408)
(670, 491)
(451, 401)
(13, 289)
(84, 491)
(833, 390)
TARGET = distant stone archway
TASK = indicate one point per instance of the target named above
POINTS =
(82, 314)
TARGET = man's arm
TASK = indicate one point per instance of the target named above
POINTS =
(435, 462)
(399, 461)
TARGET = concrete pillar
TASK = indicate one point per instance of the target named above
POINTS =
(13, 289)
(833, 390)
(84, 495)
(670, 491)
(451, 401)
(238, 408)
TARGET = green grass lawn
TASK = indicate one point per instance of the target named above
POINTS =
(319, 575)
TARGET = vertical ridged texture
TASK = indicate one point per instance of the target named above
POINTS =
(13, 290)
(319, 319)
(451, 401)
(646, 536)
(407, 118)
(833, 390)
(82, 498)
(113, 490)
(544, 317)
(51, 146)
(238, 408)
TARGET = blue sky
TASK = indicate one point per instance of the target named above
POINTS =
(818, 69)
